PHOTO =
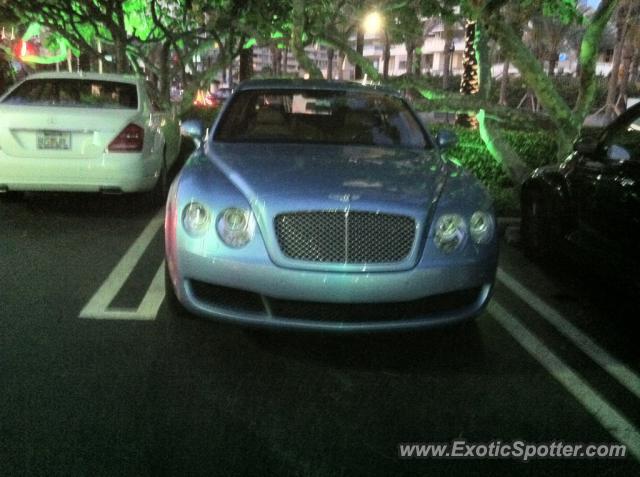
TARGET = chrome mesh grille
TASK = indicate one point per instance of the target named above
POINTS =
(345, 237)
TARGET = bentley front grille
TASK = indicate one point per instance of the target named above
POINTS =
(345, 237)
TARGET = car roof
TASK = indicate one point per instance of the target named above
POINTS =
(84, 75)
(313, 84)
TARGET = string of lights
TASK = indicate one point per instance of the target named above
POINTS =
(470, 83)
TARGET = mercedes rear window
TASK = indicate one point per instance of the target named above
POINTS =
(75, 93)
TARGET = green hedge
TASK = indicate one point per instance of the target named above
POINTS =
(534, 148)
(205, 115)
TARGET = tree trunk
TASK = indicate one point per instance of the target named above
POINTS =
(330, 55)
(627, 57)
(359, 50)
(246, 64)
(354, 57)
(341, 61)
(469, 80)
(121, 56)
(410, 47)
(164, 77)
(635, 64)
(418, 61)
(504, 84)
(120, 36)
(275, 59)
(297, 43)
(483, 59)
(635, 68)
(386, 53)
(448, 52)
(553, 61)
(588, 57)
(285, 60)
(614, 77)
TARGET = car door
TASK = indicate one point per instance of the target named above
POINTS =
(583, 178)
(618, 189)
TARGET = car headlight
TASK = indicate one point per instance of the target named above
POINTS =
(196, 219)
(481, 227)
(450, 233)
(236, 226)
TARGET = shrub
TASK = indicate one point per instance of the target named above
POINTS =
(205, 115)
(533, 147)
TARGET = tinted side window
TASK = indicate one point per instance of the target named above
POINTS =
(627, 136)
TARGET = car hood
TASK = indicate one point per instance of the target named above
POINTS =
(323, 176)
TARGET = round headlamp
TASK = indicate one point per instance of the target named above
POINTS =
(450, 232)
(196, 219)
(236, 226)
(481, 227)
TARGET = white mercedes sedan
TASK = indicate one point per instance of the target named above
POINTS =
(82, 132)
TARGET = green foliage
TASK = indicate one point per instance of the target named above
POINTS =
(425, 82)
(564, 10)
(533, 147)
(567, 86)
(204, 115)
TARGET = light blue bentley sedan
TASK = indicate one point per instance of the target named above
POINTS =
(327, 206)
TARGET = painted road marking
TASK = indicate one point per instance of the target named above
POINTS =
(614, 422)
(98, 306)
(618, 370)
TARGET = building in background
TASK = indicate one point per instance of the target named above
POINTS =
(433, 55)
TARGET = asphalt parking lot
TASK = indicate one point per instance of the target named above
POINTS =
(98, 378)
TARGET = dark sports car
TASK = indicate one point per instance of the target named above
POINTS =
(591, 200)
(326, 205)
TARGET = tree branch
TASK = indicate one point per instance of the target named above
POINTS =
(588, 57)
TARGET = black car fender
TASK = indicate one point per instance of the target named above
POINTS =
(551, 183)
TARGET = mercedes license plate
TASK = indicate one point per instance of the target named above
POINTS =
(53, 140)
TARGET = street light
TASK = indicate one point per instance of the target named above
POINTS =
(372, 23)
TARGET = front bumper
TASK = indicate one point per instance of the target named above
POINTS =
(269, 296)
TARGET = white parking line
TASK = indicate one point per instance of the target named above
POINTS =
(98, 306)
(622, 373)
(611, 419)
(154, 296)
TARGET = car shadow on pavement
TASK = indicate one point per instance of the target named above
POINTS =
(602, 304)
(86, 205)
(457, 347)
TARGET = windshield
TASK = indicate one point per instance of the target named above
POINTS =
(83, 93)
(321, 117)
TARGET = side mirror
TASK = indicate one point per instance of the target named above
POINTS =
(446, 139)
(586, 145)
(192, 128)
(617, 153)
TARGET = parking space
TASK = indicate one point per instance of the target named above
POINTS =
(99, 378)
